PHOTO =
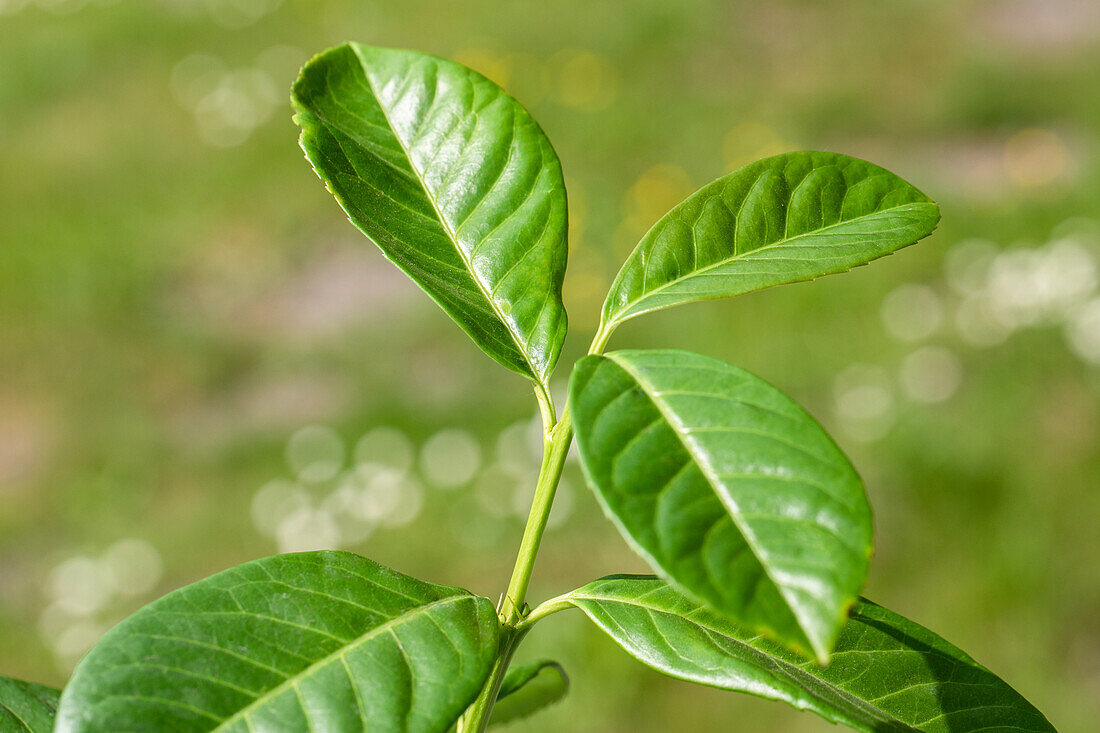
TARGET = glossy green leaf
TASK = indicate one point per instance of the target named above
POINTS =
(26, 707)
(325, 641)
(887, 673)
(454, 181)
(780, 220)
(529, 688)
(727, 487)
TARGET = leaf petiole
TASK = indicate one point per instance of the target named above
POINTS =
(544, 609)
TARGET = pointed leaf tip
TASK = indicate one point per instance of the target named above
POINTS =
(887, 674)
(784, 219)
(727, 488)
(454, 181)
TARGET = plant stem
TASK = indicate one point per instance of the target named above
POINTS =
(476, 717)
(557, 437)
(555, 450)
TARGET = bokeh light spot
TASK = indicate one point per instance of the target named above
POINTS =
(134, 566)
(912, 312)
(274, 502)
(450, 458)
(385, 446)
(315, 453)
(80, 586)
(931, 374)
(864, 400)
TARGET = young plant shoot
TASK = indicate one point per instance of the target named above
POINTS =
(755, 524)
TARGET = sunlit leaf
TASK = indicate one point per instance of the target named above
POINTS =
(325, 641)
(887, 673)
(527, 689)
(727, 487)
(783, 219)
(454, 181)
(26, 707)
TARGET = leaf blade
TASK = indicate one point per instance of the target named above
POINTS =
(784, 219)
(455, 183)
(529, 688)
(947, 690)
(324, 640)
(27, 707)
(727, 488)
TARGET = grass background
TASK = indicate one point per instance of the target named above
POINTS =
(179, 298)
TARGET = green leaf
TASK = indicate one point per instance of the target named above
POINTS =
(323, 641)
(727, 487)
(780, 220)
(527, 689)
(887, 673)
(26, 707)
(454, 181)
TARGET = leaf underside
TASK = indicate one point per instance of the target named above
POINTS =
(784, 219)
(455, 183)
(325, 641)
(727, 488)
(887, 673)
(26, 707)
(527, 689)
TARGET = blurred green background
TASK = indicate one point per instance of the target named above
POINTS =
(202, 362)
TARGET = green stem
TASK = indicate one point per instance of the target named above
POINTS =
(476, 718)
(556, 441)
(555, 450)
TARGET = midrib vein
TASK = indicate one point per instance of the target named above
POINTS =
(793, 671)
(339, 654)
(20, 720)
(451, 233)
(714, 481)
(747, 255)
